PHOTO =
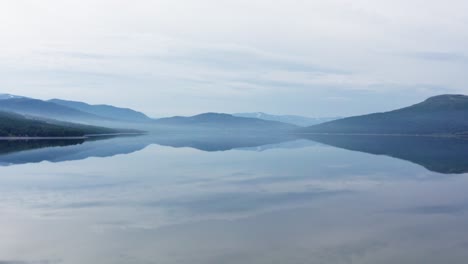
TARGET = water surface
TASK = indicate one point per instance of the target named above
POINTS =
(205, 199)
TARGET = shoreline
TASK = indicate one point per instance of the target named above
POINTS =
(70, 138)
(38, 138)
(385, 135)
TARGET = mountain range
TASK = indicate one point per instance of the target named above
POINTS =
(222, 122)
(69, 111)
(117, 117)
(104, 111)
(44, 109)
(15, 125)
(289, 119)
(438, 115)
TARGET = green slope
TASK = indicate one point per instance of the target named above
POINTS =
(14, 125)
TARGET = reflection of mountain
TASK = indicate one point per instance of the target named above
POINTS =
(438, 154)
(33, 151)
(12, 146)
(218, 142)
(290, 144)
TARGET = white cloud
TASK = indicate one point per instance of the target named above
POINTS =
(187, 56)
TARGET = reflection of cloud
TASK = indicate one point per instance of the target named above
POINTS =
(214, 203)
(269, 180)
(449, 209)
(242, 202)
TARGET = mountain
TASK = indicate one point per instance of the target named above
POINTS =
(116, 117)
(71, 111)
(225, 122)
(290, 119)
(106, 111)
(14, 125)
(48, 110)
(443, 114)
(9, 96)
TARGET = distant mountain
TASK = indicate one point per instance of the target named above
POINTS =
(48, 110)
(9, 96)
(14, 125)
(444, 114)
(224, 122)
(116, 117)
(290, 119)
(71, 111)
(106, 111)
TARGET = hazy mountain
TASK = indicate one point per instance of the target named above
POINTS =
(224, 122)
(290, 119)
(48, 110)
(76, 112)
(106, 111)
(9, 96)
(111, 116)
(15, 125)
(444, 114)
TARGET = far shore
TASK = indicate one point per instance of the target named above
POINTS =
(39, 138)
(71, 138)
(386, 135)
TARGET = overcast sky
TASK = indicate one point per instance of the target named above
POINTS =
(167, 57)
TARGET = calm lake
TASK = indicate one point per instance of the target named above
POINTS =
(232, 199)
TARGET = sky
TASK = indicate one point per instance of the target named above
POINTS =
(183, 57)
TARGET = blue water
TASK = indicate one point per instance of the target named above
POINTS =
(180, 199)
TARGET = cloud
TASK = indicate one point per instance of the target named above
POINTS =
(245, 59)
(229, 56)
(439, 56)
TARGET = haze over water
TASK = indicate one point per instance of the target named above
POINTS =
(153, 199)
